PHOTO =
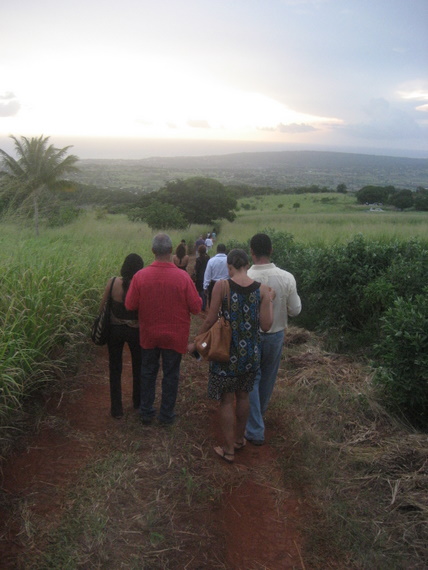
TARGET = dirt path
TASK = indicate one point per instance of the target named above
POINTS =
(255, 524)
(255, 530)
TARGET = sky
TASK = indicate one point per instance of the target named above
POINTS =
(138, 78)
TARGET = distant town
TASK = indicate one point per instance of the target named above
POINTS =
(276, 170)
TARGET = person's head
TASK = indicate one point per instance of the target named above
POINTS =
(261, 245)
(162, 245)
(238, 259)
(221, 248)
(180, 252)
(133, 263)
(202, 250)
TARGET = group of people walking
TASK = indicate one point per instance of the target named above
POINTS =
(154, 305)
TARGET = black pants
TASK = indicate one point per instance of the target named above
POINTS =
(119, 335)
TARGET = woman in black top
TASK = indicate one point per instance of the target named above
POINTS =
(180, 258)
(200, 266)
(123, 329)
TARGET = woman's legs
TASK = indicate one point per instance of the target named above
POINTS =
(233, 419)
(115, 349)
(242, 411)
(227, 420)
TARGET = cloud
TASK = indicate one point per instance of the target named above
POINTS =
(384, 122)
(295, 128)
(198, 124)
(9, 105)
(291, 128)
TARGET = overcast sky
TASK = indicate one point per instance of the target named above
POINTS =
(343, 74)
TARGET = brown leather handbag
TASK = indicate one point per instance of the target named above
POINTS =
(214, 344)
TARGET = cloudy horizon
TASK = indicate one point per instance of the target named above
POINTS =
(178, 77)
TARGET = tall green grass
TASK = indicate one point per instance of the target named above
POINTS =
(51, 289)
(52, 285)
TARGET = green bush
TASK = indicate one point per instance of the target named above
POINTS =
(62, 216)
(345, 289)
(403, 353)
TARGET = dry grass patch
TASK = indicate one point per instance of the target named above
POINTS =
(367, 472)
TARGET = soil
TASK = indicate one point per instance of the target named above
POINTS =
(253, 529)
(258, 533)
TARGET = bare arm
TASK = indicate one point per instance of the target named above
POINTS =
(267, 295)
(105, 294)
(216, 300)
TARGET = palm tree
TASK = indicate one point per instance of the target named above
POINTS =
(39, 166)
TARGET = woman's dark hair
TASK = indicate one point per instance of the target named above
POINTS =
(180, 252)
(238, 258)
(202, 250)
(133, 263)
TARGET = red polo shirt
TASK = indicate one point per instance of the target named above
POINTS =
(164, 296)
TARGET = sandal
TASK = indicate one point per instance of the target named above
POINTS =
(221, 452)
(239, 445)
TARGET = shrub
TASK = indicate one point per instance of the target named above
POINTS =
(403, 354)
(62, 216)
(346, 288)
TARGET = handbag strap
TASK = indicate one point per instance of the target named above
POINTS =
(225, 292)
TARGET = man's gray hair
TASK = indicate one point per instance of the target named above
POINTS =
(161, 244)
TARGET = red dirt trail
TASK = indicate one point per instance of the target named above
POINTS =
(259, 533)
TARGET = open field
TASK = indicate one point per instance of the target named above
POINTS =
(340, 483)
(322, 219)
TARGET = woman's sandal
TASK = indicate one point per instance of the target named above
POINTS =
(239, 445)
(224, 454)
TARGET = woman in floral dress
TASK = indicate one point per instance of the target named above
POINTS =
(248, 307)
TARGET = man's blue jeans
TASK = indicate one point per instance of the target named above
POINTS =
(171, 372)
(271, 350)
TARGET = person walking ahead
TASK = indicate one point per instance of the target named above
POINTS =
(287, 303)
(123, 329)
(248, 307)
(165, 297)
(216, 269)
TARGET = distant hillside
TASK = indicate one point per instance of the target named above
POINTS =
(275, 169)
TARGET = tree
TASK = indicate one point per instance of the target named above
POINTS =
(421, 199)
(374, 194)
(39, 167)
(163, 217)
(200, 200)
(402, 199)
(341, 188)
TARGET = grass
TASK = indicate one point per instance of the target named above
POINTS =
(366, 474)
(52, 285)
(323, 219)
(148, 497)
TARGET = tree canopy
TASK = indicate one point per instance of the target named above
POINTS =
(200, 200)
(39, 166)
(374, 194)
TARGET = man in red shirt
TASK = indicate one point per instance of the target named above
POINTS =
(165, 297)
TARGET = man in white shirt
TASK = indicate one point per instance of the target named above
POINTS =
(286, 303)
(208, 242)
(216, 269)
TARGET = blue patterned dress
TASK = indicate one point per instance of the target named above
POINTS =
(244, 317)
